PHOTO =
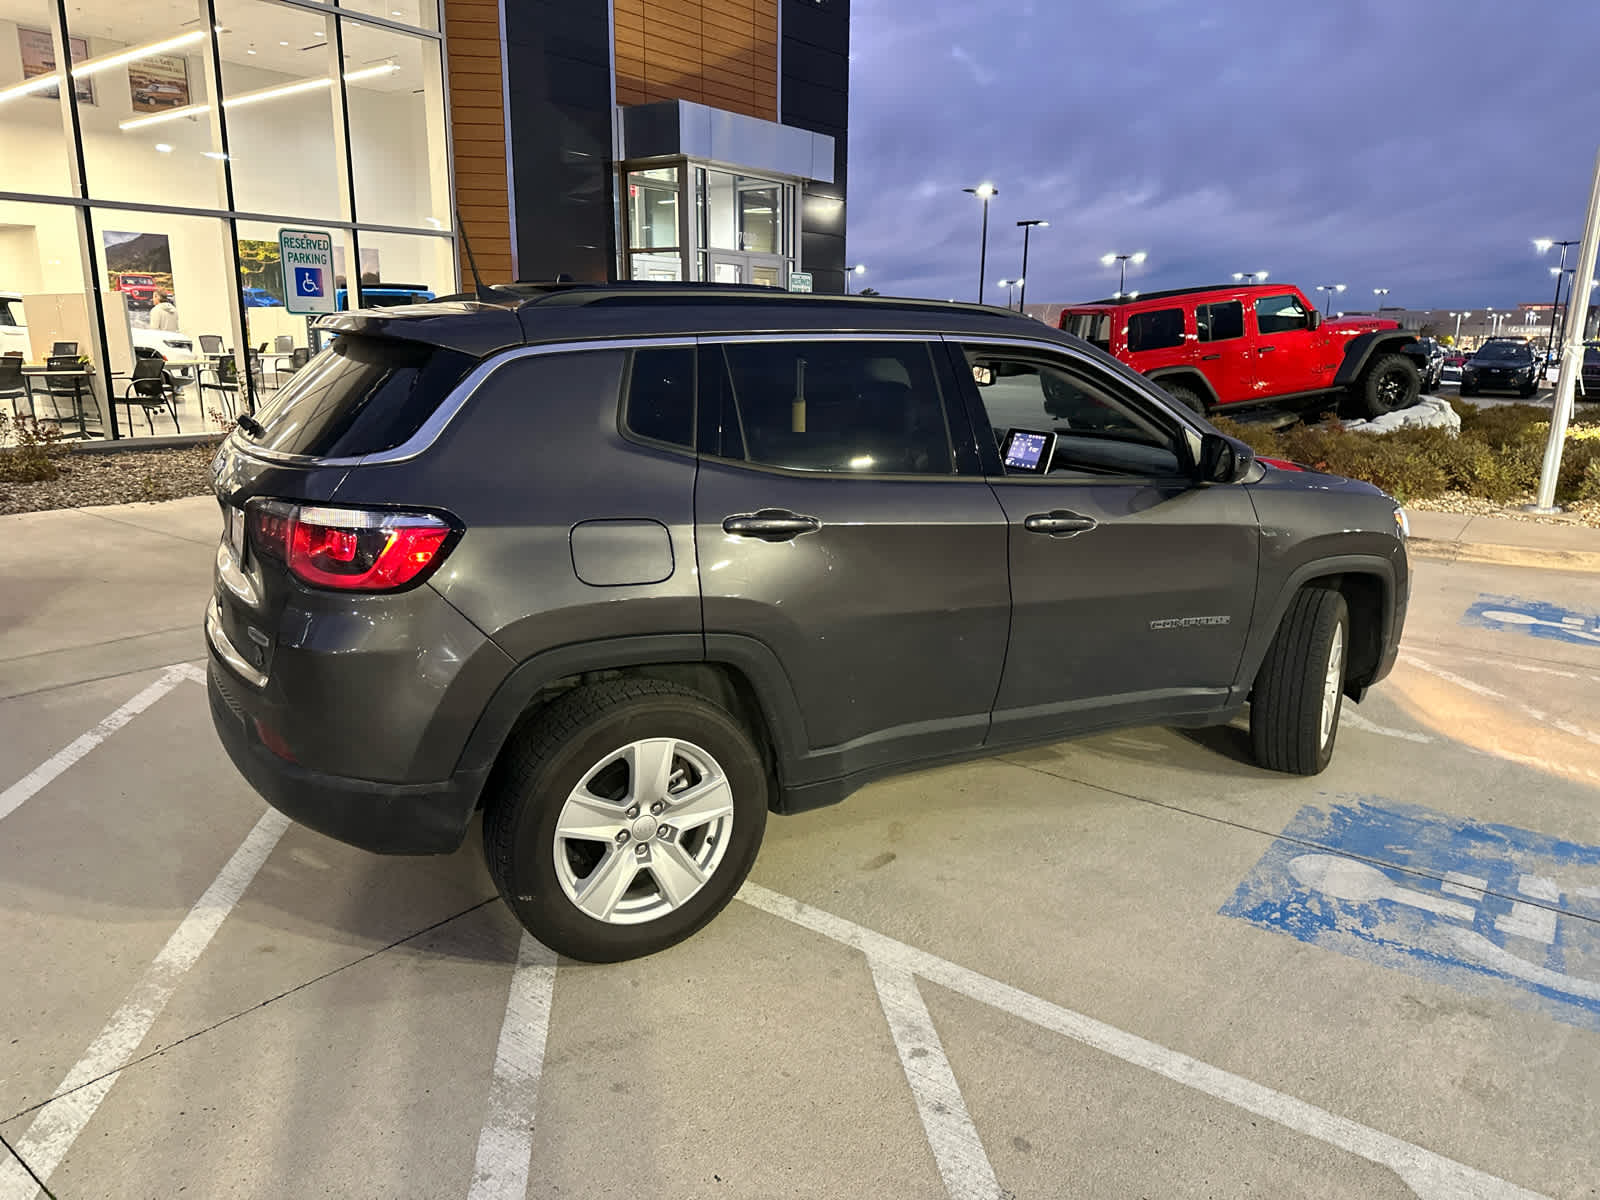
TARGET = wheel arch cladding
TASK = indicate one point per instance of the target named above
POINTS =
(1365, 347)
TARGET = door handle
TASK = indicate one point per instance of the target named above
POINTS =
(1265, 349)
(1059, 523)
(770, 524)
(1209, 357)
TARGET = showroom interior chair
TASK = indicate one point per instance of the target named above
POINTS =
(225, 384)
(283, 344)
(68, 385)
(13, 383)
(298, 359)
(150, 388)
(211, 343)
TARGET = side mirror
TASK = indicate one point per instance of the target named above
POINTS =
(1223, 459)
(1316, 319)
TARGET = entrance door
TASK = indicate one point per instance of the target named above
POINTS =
(728, 268)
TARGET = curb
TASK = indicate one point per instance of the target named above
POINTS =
(1581, 561)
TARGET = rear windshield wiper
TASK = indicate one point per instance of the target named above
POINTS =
(250, 425)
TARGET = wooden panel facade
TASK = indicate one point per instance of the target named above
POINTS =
(718, 52)
(478, 137)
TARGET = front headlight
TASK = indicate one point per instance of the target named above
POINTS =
(1402, 524)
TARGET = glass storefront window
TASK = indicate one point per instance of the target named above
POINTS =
(422, 14)
(44, 312)
(147, 131)
(741, 212)
(277, 74)
(399, 268)
(653, 209)
(33, 141)
(394, 91)
(662, 268)
(165, 292)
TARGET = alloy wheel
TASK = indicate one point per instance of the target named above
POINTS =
(643, 831)
(1332, 683)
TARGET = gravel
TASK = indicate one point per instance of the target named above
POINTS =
(1583, 512)
(120, 478)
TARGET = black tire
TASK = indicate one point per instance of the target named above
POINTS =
(546, 762)
(1530, 391)
(1286, 706)
(1390, 384)
(1186, 396)
(1468, 391)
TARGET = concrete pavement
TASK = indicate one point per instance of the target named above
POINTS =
(1020, 976)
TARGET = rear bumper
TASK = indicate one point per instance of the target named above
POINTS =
(385, 818)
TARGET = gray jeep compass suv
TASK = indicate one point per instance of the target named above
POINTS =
(628, 566)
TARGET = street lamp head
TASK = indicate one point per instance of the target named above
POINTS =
(983, 191)
(1107, 259)
(1139, 257)
(1261, 275)
(1542, 245)
(1237, 276)
(1005, 283)
(1030, 224)
(1338, 287)
(860, 268)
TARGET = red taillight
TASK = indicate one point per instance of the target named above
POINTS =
(351, 550)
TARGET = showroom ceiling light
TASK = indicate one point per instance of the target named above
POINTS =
(104, 62)
(243, 99)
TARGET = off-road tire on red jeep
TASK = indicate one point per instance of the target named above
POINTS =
(1294, 720)
(595, 725)
(1186, 396)
(1389, 384)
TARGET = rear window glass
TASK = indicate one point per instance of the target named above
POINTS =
(361, 395)
(661, 395)
(1094, 328)
(1160, 329)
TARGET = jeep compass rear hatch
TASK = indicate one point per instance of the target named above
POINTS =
(287, 545)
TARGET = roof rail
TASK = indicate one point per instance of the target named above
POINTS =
(651, 292)
(1141, 297)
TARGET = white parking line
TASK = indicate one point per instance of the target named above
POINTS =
(1356, 721)
(1543, 718)
(505, 1143)
(957, 1149)
(61, 1121)
(1431, 1176)
(36, 780)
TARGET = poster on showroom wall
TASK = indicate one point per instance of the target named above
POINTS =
(260, 273)
(140, 267)
(159, 82)
(39, 58)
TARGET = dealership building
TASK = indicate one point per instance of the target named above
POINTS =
(358, 150)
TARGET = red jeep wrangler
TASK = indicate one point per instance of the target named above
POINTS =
(1218, 347)
(139, 289)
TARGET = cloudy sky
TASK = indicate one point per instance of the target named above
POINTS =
(1418, 147)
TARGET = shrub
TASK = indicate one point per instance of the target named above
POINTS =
(1497, 456)
(33, 459)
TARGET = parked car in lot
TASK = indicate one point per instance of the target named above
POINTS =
(1590, 377)
(1454, 360)
(627, 566)
(1427, 355)
(1216, 348)
(1502, 365)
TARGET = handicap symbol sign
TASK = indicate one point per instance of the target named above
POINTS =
(308, 281)
(1489, 909)
(1534, 618)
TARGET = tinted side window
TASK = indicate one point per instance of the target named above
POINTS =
(661, 395)
(1098, 432)
(1220, 322)
(836, 406)
(5, 314)
(1281, 314)
(1157, 330)
(359, 396)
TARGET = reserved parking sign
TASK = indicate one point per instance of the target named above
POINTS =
(306, 256)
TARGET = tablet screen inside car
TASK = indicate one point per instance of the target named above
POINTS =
(1027, 451)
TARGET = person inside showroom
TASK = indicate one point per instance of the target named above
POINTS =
(164, 315)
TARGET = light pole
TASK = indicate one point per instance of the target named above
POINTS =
(1027, 227)
(1380, 293)
(858, 269)
(1330, 288)
(1458, 316)
(1542, 245)
(983, 191)
(1011, 286)
(1249, 276)
(1122, 261)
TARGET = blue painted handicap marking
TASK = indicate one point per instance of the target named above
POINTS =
(1472, 905)
(1514, 614)
(308, 281)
